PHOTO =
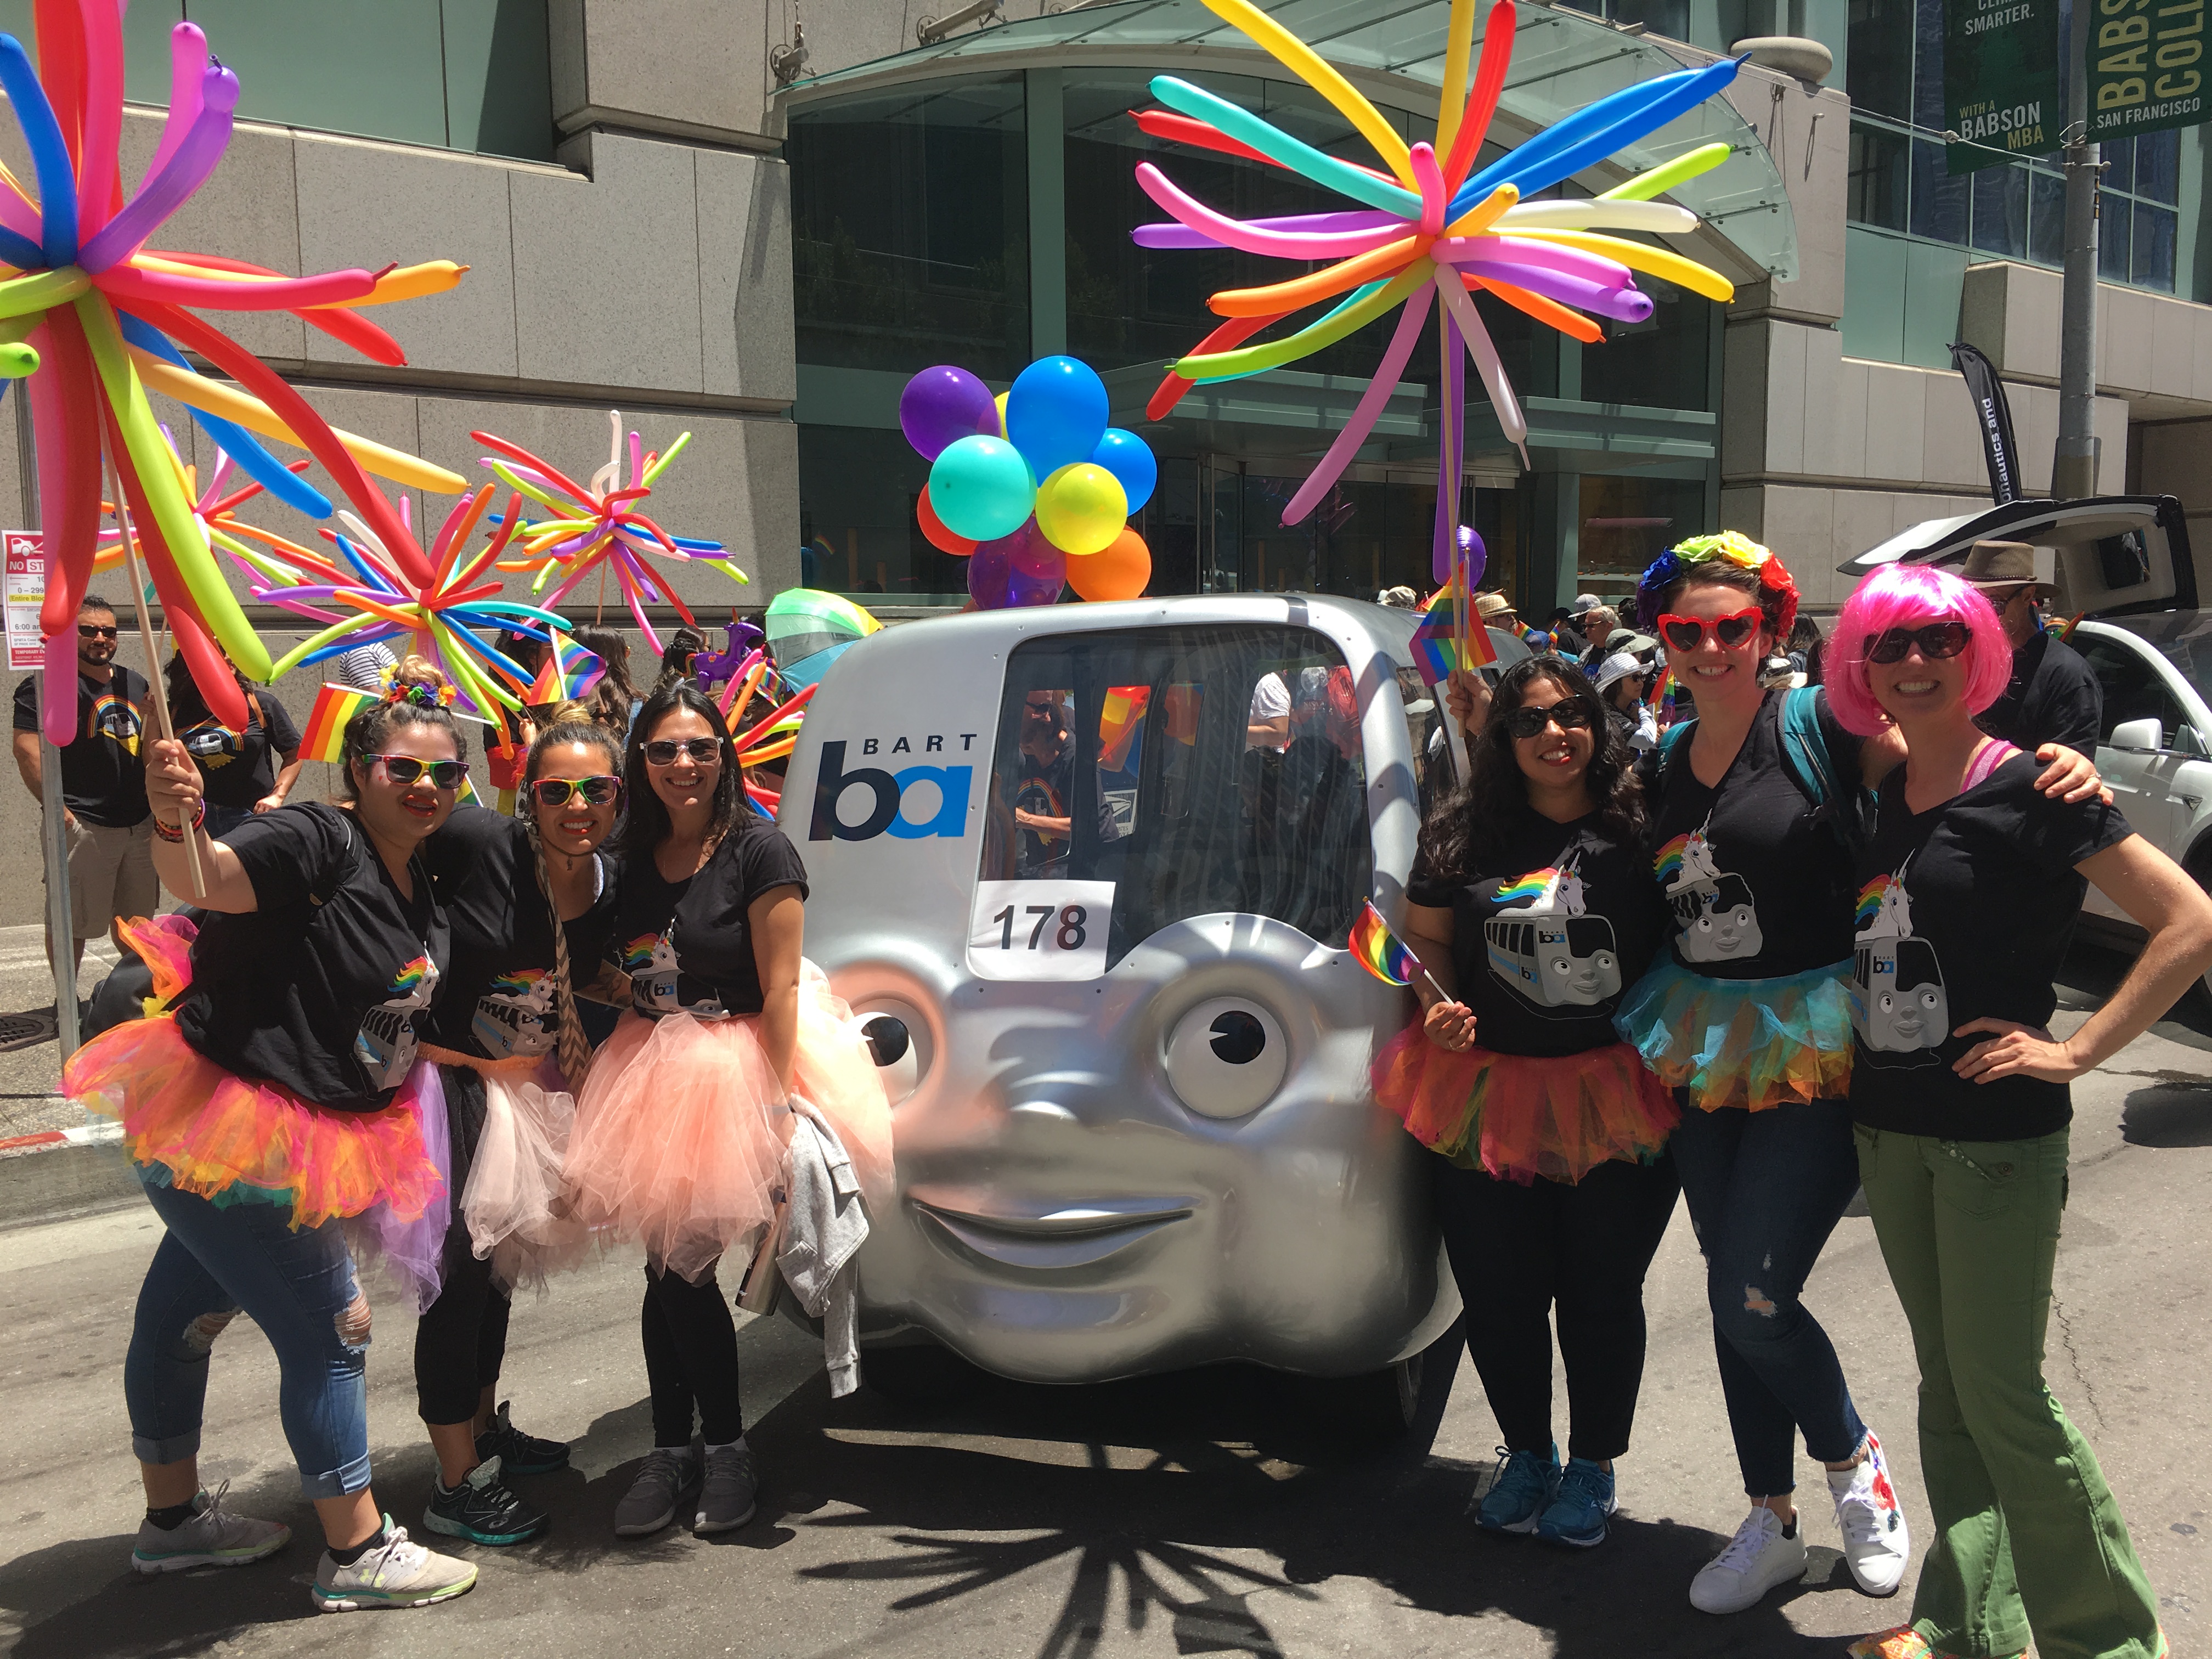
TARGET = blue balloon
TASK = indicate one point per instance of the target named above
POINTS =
(1055, 416)
(981, 489)
(1129, 458)
(49, 156)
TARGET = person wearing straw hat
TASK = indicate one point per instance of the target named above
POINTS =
(2052, 697)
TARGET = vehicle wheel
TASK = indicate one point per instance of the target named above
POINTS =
(1398, 1408)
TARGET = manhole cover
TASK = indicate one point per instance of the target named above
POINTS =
(22, 1030)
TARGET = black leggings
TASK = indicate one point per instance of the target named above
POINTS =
(461, 1341)
(690, 1360)
(1516, 1252)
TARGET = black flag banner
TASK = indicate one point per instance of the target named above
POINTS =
(1994, 416)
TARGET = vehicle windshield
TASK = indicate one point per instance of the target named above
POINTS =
(2184, 638)
(1200, 769)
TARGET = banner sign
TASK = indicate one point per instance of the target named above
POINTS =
(2146, 67)
(1994, 416)
(2002, 93)
(22, 591)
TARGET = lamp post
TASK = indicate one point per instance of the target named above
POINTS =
(2074, 463)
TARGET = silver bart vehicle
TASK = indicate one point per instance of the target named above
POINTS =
(1100, 862)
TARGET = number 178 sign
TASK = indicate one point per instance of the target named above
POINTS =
(1039, 930)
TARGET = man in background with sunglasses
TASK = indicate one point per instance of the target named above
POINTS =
(109, 827)
(2053, 697)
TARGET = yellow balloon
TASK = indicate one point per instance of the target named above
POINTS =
(1001, 400)
(1081, 509)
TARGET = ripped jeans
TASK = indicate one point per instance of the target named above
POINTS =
(1764, 1189)
(214, 1263)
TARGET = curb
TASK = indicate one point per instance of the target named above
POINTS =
(84, 1134)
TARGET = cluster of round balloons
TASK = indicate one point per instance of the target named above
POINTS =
(1033, 488)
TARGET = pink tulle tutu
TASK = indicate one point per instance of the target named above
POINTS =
(1522, 1116)
(678, 1140)
(517, 1207)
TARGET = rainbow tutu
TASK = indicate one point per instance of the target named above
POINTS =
(1755, 1043)
(1520, 1116)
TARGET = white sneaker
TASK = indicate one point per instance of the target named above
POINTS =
(393, 1572)
(1876, 1541)
(214, 1537)
(1759, 1557)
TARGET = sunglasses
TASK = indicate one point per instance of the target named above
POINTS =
(1528, 721)
(1936, 641)
(559, 791)
(404, 769)
(1688, 632)
(93, 631)
(702, 751)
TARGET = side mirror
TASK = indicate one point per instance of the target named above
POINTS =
(2143, 737)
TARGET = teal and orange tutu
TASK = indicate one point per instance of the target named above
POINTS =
(1522, 1116)
(188, 1123)
(1756, 1043)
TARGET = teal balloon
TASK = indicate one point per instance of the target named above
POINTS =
(1055, 414)
(1129, 458)
(981, 487)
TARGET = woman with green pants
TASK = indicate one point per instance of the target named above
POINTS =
(1958, 1097)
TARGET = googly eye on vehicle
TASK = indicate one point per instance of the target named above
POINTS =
(897, 1038)
(1227, 1057)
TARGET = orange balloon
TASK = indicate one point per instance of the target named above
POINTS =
(1119, 571)
(933, 527)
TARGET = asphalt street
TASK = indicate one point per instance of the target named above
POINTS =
(1222, 1513)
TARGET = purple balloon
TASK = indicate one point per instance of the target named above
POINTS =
(1039, 573)
(944, 404)
(184, 172)
(1476, 555)
(991, 570)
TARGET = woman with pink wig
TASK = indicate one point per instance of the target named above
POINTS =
(1959, 1103)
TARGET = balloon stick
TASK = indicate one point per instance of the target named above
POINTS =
(155, 678)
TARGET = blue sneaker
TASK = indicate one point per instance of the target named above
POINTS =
(1524, 1486)
(1579, 1511)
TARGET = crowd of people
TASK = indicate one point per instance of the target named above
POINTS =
(1797, 943)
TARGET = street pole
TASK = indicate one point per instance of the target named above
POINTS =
(54, 840)
(2074, 463)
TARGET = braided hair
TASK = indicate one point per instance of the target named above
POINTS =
(569, 726)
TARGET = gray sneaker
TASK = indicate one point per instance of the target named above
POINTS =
(214, 1537)
(393, 1572)
(725, 1501)
(650, 1503)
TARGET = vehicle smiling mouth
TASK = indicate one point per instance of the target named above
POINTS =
(1050, 1234)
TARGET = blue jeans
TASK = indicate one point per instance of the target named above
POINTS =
(1764, 1191)
(221, 820)
(297, 1286)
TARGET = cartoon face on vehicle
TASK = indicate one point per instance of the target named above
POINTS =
(1142, 1138)
(1717, 920)
(516, 1016)
(1901, 1006)
(1543, 943)
(385, 1044)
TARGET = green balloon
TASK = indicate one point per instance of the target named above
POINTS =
(981, 487)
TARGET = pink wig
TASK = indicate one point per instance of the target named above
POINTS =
(1908, 596)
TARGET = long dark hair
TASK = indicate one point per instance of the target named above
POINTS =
(1466, 831)
(366, 732)
(574, 1049)
(611, 699)
(645, 824)
(188, 705)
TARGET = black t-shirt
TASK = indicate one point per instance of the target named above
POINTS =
(1047, 788)
(497, 997)
(1543, 951)
(1966, 911)
(239, 768)
(1757, 878)
(2053, 697)
(103, 775)
(689, 944)
(320, 987)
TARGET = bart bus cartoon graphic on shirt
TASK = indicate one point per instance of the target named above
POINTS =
(654, 979)
(1902, 1007)
(516, 1017)
(1544, 945)
(1718, 920)
(384, 1045)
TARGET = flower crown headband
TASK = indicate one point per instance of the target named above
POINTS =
(1777, 593)
(419, 693)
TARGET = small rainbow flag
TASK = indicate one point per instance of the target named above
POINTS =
(1119, 721)
(335, 708)
(1436, 639)
(1379, 951)
(569, 670)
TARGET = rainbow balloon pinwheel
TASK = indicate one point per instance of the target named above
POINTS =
(1427, 223)
(93, 319)
(599, 526)
(213, 511)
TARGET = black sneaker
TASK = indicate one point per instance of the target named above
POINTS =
(520, 1453)
(483, 1511)
(725, 1497)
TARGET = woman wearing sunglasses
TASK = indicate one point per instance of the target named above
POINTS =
(1972, 881)
(680, 1131)
(525, 897)
(1529, 902)
(272, 1098)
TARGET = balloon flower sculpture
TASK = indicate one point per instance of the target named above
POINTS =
(1425, 223)
(92, 317)
(598, 527)
(1034, 489)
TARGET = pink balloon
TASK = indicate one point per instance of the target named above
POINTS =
(1525, 250)
(57, 700)
(188, 61)
(184, 172)
(1234, 233)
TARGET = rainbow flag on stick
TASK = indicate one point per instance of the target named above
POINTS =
(1383, 954)
(335, 708)
(1437, 648)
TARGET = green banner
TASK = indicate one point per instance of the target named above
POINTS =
(2001, 90)
(2147, 67)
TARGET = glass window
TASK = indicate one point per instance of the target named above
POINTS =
(2132, 689)
(2114, 221)
(1662, 362)
(1628, 522)
(1939, 200)
(911, 229)
(1879, 65)
(2046, 219)
(1875, 185)
(2157, 166)
(2152, 260)
(2119, 156)
(2001, 209)
(1198, 770)
(857, 490)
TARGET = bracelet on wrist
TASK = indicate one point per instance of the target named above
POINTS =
(172, 832)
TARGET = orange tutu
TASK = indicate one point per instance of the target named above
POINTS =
(678, 1138)
(1525, 1116)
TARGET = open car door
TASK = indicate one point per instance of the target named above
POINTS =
(2108, 555)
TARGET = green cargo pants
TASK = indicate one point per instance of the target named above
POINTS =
(2026, 1538)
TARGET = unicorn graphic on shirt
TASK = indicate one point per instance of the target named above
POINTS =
(1717, 918)
(516, 1016)
(385, 1044)
(1543, 942)
(1899, 1004)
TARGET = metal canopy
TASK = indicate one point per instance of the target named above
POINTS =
(1393, 50)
